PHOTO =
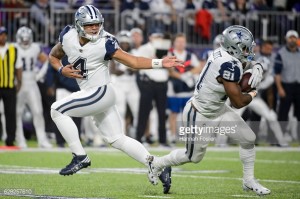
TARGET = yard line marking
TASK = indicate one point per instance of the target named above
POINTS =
(148, 196)
(245, 196)
(132, 171)
(256, 160)
(14, 169)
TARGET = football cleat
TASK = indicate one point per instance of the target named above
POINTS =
(165, 178)
(153, 172)
(253, 185)
(78, 162)
(45, 145)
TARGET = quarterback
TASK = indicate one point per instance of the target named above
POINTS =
(89, 49)
(218, 81)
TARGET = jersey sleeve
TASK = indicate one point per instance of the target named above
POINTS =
(111, 46)
(63, 32)
(230, 71)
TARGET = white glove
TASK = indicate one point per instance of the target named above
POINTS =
(188, 78)
(257, 75)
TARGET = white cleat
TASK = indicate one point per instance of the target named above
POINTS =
(45, 145)
(153, 172)
(22, 145)
(253, 185)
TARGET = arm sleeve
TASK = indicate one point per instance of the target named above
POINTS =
(230, 72)
(278, 64)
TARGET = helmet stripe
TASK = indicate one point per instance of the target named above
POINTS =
(96, 16)
(91, 15)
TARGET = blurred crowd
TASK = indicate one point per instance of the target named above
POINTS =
(151, 101)
(48, 17)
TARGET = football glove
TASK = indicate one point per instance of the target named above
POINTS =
(257, 75)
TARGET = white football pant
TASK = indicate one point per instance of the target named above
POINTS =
(30, 94)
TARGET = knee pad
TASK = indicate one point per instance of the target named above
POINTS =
(198, 155)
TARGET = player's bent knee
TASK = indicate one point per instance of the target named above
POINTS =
(54, 113)
(249, 142)
(198, 156)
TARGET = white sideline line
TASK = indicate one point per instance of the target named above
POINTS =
(139, 171)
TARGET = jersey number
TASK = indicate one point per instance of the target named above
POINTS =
(228, 75)
(26, 68)
(80, 64)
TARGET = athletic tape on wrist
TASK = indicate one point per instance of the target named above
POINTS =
(157, 63)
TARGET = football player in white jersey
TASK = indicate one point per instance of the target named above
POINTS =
(206, 113)
(29, 93)
(89, 49)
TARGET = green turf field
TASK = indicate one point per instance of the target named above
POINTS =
(114, 175)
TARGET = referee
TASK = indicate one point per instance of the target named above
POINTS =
(10, 83)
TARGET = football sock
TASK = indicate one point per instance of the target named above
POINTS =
(132, 148)
(247, 157)
(69, 131)
(176, 157)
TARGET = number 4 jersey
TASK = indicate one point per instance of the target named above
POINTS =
(91, 58)
(209, 95)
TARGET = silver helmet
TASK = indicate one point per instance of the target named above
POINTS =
(239, 42)
(86, 15)
(24, 37)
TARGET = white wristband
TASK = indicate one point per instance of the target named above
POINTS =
(157, 63)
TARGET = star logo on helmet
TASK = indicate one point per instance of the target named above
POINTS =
(239, 34)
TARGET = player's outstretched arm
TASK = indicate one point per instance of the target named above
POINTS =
(145, 63)
(55, 57)
(237, 98)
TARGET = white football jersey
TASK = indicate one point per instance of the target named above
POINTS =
(92, 58)
(209, 95)
(29, 58)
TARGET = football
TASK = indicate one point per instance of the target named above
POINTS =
(245, 87)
